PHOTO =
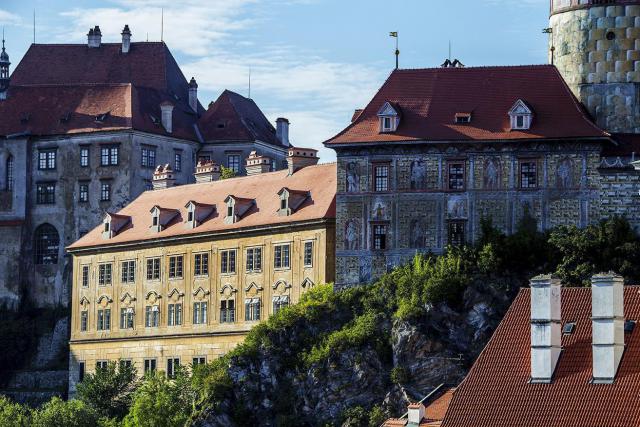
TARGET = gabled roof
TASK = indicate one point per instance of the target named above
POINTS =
(320, 180)
(232, 117)
(71, 80)
(497, 393)
(430, 98)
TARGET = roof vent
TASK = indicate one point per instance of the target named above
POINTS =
(568, 328)
(452, 64)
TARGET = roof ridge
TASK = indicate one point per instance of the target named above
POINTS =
(477, 67)
(71, 84)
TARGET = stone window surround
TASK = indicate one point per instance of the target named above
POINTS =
(385, 244)
(536, 161)
(452, 161)
(374, 166)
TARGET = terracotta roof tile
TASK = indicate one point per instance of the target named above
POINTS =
(430, 98)
(320, 180)
(496, 392)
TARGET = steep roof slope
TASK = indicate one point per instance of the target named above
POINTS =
(319, 180)
(497, 392)
(429, 99)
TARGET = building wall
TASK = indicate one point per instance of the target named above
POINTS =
(573, 188)
(597, 51)
(219, 152)
(187, 340)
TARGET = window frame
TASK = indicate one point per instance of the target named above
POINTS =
(109, 155)
(451, 225)
(279, 302)
(85, 156)
(105, 274)
(47, 159)
(105, 191)
(252, 309)
(200, 312)
(85, 275)
(152, 316)
(173, 364)
(156, 270)
(235, 165)
(281, 257)
(177, 161)
(49, 253)
(10, 164)
(46, 193)
(127, 318)
(463, 178)
(381, 183)
(176, 267)
(148, 156)
(379, 244)
(84, 320)
(228, 258)
(103, 319)
(521, 174)
(150, 365)
(307, 253)
(228, 310)
(201, 264)
(254, 259)
(128, 271)
(175, 314)
(83, 192)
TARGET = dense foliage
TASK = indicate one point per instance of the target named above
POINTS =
(226, 173)
(326, 324)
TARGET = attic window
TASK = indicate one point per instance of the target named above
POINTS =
(389, 118)
(229, 210)
(221, 125)
(568, 328)
(463, 118)
(521, 116)
(190, 216)
(629, 325)
(102, 117)
(155, 220)
(107, 226)
(283, 204)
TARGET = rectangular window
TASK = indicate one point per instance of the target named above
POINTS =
(81, 371)
(199, 361)
(102, 364)
(149, 365)
(126, 318)
(174, 312)
(254, 259)
(128, 272)
(105, 191)
(381, 177)
(47, 159)
(84, 321)
(104, 319)
(109, 156)
(528, 174)
(233, 162)
(85, 276)
(252, 309)
(228, 261)
(175, 267)
(280, 302)
(84, 157)
(153, 268)
(308, 254)
(178, 162)
(379, 237)
(152, 316)
(456, 176)
(227, 311)
(201, 264)
(148, 158)
(199, 313)
(173, 364)
(83, 192)
(281, 256)
(456, 233)
(46, 193)
(104, 274)
(125, 363)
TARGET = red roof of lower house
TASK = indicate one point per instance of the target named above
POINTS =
(429, 99)
(497, 392)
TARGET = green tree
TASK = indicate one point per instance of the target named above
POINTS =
(110, 390)
(226, 173)
(72, 413)
(13, 414)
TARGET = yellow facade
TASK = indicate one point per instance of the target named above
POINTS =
(153, 293)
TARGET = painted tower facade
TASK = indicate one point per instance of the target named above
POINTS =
(597, 50)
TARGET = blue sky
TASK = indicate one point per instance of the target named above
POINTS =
(312, 61)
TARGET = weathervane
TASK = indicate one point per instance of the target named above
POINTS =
(552, 49)
(394, 34)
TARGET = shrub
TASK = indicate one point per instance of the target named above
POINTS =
(72, 413)
(226, 173)
(13, 414)
(399, 375)
(109, 391)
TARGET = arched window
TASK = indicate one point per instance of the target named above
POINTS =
(46, 244)
(10, 173)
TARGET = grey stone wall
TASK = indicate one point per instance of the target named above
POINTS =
(219, 152)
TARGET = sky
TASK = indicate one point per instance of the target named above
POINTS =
(312, 61)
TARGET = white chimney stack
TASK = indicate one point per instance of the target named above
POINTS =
(126, 39)
(282, 131)
(545, 327)
(166, 109)
(94, 38)
(193, 94)
(415, 414)
(607, 314)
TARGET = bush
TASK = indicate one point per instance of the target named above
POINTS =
(226, 173)
(13, 414)
(109, 391)
(59, 413)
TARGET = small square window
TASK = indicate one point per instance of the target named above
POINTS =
(379, 237)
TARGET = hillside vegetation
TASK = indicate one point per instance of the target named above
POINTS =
(356, 356)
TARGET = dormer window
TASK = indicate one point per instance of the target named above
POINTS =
(155, 221)
(283, 204)
(229, 210)
(521, 116)
(237, 207)
(197, 213)
(107, 226)
(190, 216)
(113, 223)
(389, 117)
(162, 217)
(463, 118)
(291, 200)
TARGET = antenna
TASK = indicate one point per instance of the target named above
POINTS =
(162, 24)
(249, 83)
(394, 34)
(34, 26)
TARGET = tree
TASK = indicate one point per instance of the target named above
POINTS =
(226, 173)
(13, 414)
(110, 390)
(59, 413)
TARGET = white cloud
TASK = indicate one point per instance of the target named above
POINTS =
(8, 18)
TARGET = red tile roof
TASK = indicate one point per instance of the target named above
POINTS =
(496, 392)
(433, 414)
(429, 99)
(320, 180)
(232, 117)
(52, 81)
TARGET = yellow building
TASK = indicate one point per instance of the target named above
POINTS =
(181, 274)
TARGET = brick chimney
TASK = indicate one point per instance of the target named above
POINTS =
(282, 131)
(163, 177)
(207, 171)
(607, 320)
(415, 414)
(298, 158)
(94, 38)
(126, 39)
(193, 94)
(545, 327)
(257, 164)
(166, 109)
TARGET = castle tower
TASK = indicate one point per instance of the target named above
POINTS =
(597, 51)
(4, 72)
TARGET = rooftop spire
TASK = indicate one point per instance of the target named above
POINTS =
(4, 70)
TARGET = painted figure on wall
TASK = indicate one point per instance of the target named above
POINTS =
(366, 266)
(351, 235)
(352, 177)
(563, 178)
(492, 174)
(418, 174)
(456, 207)
(417, 238)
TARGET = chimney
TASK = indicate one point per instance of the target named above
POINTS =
(163, 177)
(257, 164)
(298, 158)
(415, 414)
(94, 37)
(126, 39)
(282, 131)
(207, 171)
(193, 94)
(167, 115)
(607, 320)
(545, 327)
